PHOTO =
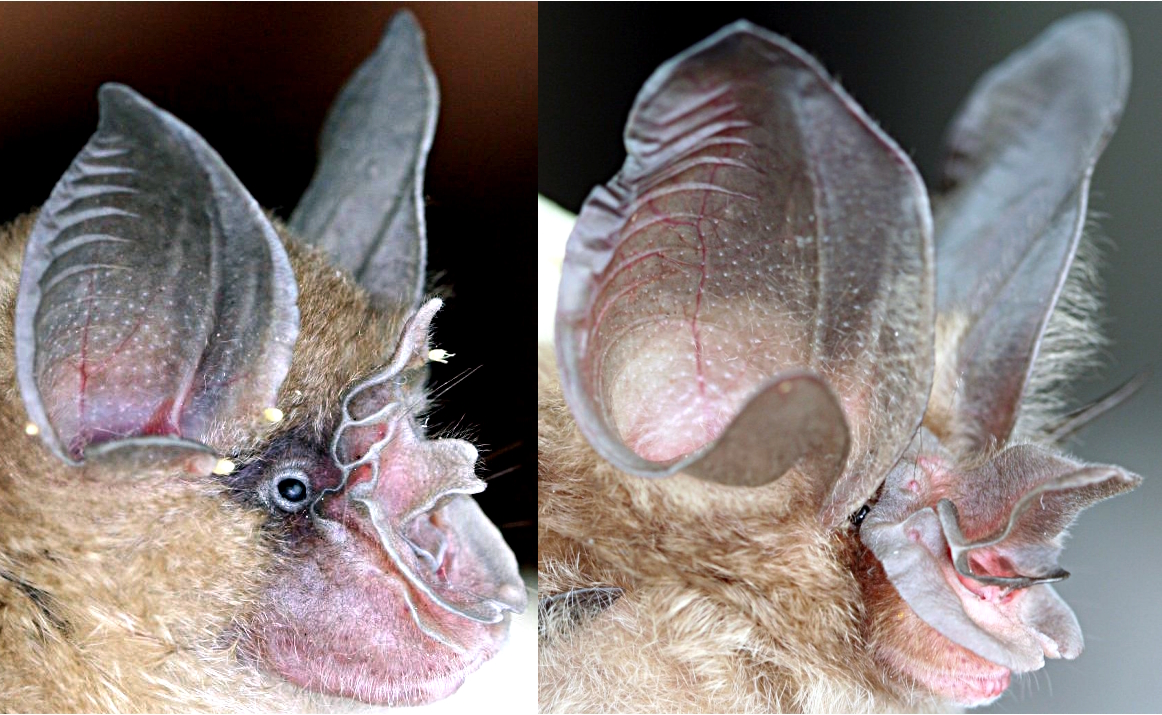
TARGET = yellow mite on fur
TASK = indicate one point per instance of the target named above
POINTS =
(439, 355)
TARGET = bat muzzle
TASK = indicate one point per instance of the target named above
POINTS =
(411, 495)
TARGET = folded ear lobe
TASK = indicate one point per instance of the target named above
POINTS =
(156, 301)
(762, 230)
(794, 418)
(1020, 157)
(364, 205)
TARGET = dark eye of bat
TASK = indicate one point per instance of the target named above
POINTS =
(291, 489)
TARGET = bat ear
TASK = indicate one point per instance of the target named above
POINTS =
(1020, 157)
(364, 205)
(976, 565)
(156, 301)
(754, 285)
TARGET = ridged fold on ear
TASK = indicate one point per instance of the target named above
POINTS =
(764, 255)
(156, 301)
(364, 205)
(1020, 157)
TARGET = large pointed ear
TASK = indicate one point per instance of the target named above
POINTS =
(364, 205)
(754, 283)
(1020, 156)
(156, 300)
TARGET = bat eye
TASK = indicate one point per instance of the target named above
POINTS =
(290, 489)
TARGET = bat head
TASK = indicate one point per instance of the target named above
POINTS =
(765, 288)
(167, 329)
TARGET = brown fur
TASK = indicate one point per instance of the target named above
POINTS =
(735, 600)
(126, 595)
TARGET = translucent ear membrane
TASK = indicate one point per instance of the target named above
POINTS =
(1016, 181)
(364, 206)
(764, 242)
(972, 551)
(155, 301)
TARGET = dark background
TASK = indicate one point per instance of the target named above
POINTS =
(255, 80)
(910, 65)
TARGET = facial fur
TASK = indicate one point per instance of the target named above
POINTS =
(159, 594)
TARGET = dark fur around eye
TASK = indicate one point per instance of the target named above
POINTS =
(291, 473)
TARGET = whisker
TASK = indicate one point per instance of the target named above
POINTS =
(503, 450)
(444, 387)
(501, 473)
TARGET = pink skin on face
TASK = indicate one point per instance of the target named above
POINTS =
(395, 587)
(341, 623)
(908, 645)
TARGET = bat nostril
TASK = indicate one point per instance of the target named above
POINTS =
(427, 542)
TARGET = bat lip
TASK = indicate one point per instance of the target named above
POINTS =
(970, 690)
(386, 643)
(979, 682)
(423, 682)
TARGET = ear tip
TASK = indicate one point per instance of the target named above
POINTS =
(1095, 21)
(403, 26)
(742, 26)
(1093, 32)
(741, 30)
(115, 94)
(118, 101)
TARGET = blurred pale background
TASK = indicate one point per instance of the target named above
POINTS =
(910, 65)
